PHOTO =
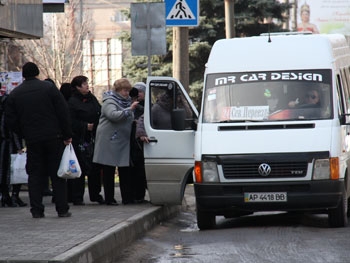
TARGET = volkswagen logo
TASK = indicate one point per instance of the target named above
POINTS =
(264, 169)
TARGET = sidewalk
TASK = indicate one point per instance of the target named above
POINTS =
(94, 233)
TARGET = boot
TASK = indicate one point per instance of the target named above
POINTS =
(16, 200)
(6, 200)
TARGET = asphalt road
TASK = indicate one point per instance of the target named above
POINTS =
(262, 237)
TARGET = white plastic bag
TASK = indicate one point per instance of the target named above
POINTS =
(18, 169)
(69, 166)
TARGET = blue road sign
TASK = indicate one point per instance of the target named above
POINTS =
(181, 12)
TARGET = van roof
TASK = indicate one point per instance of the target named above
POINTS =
(282, 52)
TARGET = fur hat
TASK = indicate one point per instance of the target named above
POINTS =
(30, 70)
(141, 86)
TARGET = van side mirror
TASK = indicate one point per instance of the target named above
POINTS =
(344, 119)
(178, 117)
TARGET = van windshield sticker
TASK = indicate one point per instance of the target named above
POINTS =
(245, 113)
(315, 76)
(212, 95)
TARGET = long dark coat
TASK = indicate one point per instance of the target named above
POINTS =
(84, 109)
(10, 143)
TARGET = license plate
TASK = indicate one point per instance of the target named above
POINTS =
(265, 197)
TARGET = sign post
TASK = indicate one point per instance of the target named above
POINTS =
(181, 14)
(148, 34)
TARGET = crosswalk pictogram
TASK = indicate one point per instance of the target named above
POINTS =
(181, 12)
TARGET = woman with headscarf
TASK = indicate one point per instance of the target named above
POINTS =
(112, 148)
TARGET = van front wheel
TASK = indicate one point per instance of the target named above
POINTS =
(338, 217)
(205, 220)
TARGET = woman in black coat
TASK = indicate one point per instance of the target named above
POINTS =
(85, 112)
(10, 143)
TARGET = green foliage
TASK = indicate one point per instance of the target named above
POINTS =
(251, 16)
(196, 89)
(198, 56)
(211, 23)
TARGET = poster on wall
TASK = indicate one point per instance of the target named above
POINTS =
(324, 16)
(9, 81)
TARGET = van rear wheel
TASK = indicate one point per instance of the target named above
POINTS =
(205, 220)
(338, 217)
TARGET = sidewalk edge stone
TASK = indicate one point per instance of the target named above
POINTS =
(107, 246)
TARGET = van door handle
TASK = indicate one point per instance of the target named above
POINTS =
(152, 139)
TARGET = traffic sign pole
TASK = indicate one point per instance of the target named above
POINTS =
(181, 14)
(180, 56)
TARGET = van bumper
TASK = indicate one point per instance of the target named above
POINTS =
(301, 196)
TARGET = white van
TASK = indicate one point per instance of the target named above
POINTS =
(272, 133)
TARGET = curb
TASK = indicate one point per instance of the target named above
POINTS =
(107, 246)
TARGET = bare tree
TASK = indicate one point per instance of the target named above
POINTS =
(59, 53)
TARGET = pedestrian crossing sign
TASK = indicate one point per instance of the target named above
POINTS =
(181, 12)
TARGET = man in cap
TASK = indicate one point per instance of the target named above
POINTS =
(141, 87)
(38, 112)
(138, 169)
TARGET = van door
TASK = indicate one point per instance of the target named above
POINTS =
(169, 157)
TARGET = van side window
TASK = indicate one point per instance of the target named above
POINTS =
(345, 79)
(164, 99)
(340, 94)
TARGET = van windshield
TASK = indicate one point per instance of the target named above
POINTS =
(268, 96)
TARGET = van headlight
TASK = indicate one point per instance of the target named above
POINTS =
(321, 170)
(325, 169)
(210, 172)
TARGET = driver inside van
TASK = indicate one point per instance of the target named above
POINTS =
(311, 99)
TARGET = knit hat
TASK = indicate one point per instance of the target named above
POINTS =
(141, 86)
(30, 70)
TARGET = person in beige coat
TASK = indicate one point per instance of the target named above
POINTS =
(112, 143)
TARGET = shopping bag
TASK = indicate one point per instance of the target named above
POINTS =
(69, 167)
(18, 174)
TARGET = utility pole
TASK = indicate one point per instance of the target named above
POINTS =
(286, 16)
(181, 15)
(180, 45)
(295, 16)
(230, 18)
(180, 56)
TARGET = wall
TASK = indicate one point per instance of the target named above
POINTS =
(21, 18)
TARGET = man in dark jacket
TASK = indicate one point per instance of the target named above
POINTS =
(38, 112)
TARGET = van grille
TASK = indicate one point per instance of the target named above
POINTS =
(278, 170)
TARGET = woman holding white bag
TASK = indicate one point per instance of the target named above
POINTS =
(85, 112)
